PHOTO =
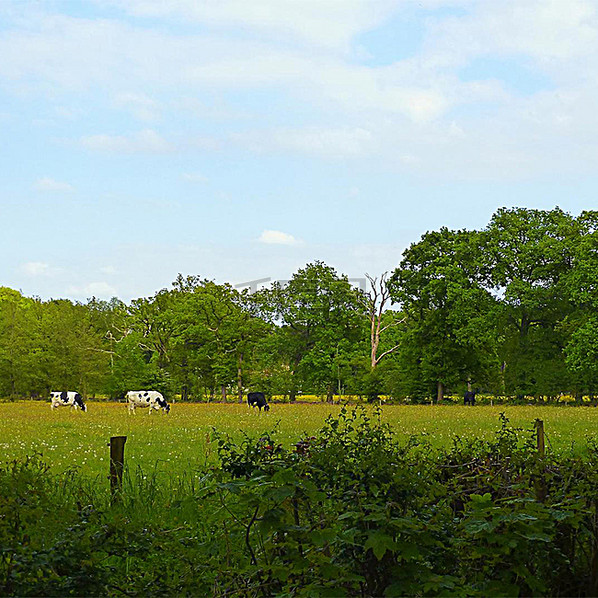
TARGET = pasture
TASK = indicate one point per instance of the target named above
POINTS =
(183, 441)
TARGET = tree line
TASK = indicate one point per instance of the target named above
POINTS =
(510, 309)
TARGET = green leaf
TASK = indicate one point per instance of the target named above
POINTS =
(380, 543)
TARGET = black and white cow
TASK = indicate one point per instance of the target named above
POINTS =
(258, 399)
(67, 398)
(147, 398)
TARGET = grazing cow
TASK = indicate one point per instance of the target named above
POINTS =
(147, 398)
(68, 398)
(258, 399)
(469, 398)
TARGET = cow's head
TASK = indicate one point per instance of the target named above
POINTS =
(79, 401)
(163, 404)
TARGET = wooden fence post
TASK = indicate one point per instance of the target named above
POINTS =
(117, 463)
(540, 438)
(540, 482)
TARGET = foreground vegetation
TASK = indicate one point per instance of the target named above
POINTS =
(509, 309)
(349, 509)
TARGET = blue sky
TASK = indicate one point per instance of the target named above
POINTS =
(239, 140)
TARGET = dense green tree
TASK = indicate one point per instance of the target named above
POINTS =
(110, 319)
(20, 345)
(320, 317)
(219, 330)
(155, 327)
(48, 345)
(581, 325)
(528, 256)
(449, 335)
(76, 358)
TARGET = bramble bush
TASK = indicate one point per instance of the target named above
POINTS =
(349, 511)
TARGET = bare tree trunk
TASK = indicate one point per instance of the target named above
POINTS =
(440, 392)
(329, 394)
(293, 391)
(375, 301)
(223, 391)
(375, 342)
(240, 378)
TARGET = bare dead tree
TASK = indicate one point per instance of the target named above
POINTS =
(375, 301)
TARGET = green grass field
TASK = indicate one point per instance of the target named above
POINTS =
(183, 440)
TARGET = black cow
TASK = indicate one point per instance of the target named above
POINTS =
(258, 399)
(469, 398)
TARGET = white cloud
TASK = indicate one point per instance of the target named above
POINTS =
(414, 114)
(546, 30)
(322, 142)
(326, 23)
(48, 184)
(146, 141)
(108, 270)
(59, 55)
(36, 269)
(275, 237)
(102, 290)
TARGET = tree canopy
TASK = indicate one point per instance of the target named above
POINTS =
(507, 309)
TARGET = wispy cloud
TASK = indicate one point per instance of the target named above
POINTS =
(316, 141)
(48, 184)
(326, 23)
(141, 106)
(146, 141)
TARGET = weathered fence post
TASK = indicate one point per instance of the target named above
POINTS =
(117, 463)
(540, 438)
(540, 482)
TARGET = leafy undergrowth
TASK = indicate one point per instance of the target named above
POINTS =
(348, 511)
